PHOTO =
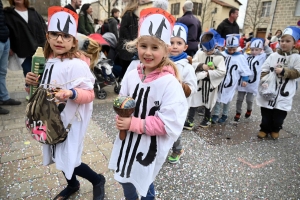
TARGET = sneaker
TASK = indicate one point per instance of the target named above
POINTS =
(188, 125)
(206, 122)
(11, 102)
(237, 117)
(201, 111)
(174, 158)
(248, 113)
(214, 119)
(222, 119)
(3, 111)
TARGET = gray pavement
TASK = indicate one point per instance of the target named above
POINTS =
(249, 169)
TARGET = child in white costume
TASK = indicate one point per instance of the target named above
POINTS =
(187, 73)
(285, 62)
(66, 69)
(236, 68)
(208, 78)
(159, 97)
(255, 60)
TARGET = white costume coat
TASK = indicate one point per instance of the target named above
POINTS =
(188, 76)
(67, 155)
(207, 89)
(236, 67)
(255, 63)
(286, 88)
(139, 157)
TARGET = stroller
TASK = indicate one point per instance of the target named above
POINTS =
(104, 69)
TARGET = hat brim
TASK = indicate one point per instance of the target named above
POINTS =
(99, 39)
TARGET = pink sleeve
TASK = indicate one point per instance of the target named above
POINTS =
(151, 126)
(84, 96)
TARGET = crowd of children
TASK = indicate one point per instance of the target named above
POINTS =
(168, 87)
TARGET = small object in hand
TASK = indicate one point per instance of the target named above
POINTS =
(124, 106)
(37, 79)
(211, 65)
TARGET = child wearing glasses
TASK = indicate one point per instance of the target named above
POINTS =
(66, 69)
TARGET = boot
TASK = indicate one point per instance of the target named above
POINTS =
(67, 192)
(98, 190)
(275, 135)
(262, 135)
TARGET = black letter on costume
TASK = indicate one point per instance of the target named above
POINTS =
(231, 79)
(123, 142)
(284, 94)
(159, 29)
(256, 63)
(66, 27)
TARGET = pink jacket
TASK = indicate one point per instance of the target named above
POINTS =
(152, 125)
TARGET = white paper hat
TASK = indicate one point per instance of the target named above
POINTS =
(62, 20)
(257, 43)
(180, 30)
(293, 31)
(233, 40)
(156, 22)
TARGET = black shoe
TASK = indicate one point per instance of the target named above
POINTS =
(98, 190)
(248, 114)
(206, 122)
(67, 192)
(3, 111)
(10, 102)
(237, 117)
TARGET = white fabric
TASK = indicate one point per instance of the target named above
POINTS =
(286, 88)
(133, 66)
(188, 76)
(151, 25)
(207, 89)
(23, 14)
(167, 101)
(236, 67)
(63, 22)
(255, 63)
(108, 68)
(179, 31)
(14, 63)
(67, 155)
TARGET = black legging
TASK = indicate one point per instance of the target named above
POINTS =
(84, 171)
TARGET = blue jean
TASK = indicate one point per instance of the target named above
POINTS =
(4, 52)
(131, 194)
(217, 108)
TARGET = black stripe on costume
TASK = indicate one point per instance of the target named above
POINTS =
(50, 74)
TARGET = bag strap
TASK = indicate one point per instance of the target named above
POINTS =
(70, 123)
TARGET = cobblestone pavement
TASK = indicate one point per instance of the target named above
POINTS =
(21, 171)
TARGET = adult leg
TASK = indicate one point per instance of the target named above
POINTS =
(4, 51)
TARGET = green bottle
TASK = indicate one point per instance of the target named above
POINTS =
(211, 65)
(37, 67)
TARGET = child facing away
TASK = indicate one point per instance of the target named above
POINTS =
(65, 69)
(259, 50)
(187, 73)
(208, 77)
(285, 62)
(160, 111)
(236, 69)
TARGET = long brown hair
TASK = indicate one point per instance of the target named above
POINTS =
(26, 3)
(131, 6)
(131, 46)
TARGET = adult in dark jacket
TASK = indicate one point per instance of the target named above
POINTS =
(194, 28)
(114, 22)
(74, 5)
(85, 21)
(4, 51)
(229, 25)
(128, 32)
(27, 31)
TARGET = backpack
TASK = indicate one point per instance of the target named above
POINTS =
(43, 118)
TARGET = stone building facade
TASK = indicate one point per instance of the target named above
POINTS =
(273, 15)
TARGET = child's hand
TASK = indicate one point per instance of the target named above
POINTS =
(63, 95)
(205, 67)
(244, 84)
(31, 79)
(123, 123)
(278, 70)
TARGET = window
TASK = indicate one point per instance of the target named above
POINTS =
(175, 8)
(216, 10)
(265, 11)
(197, 9)
(297, 11)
